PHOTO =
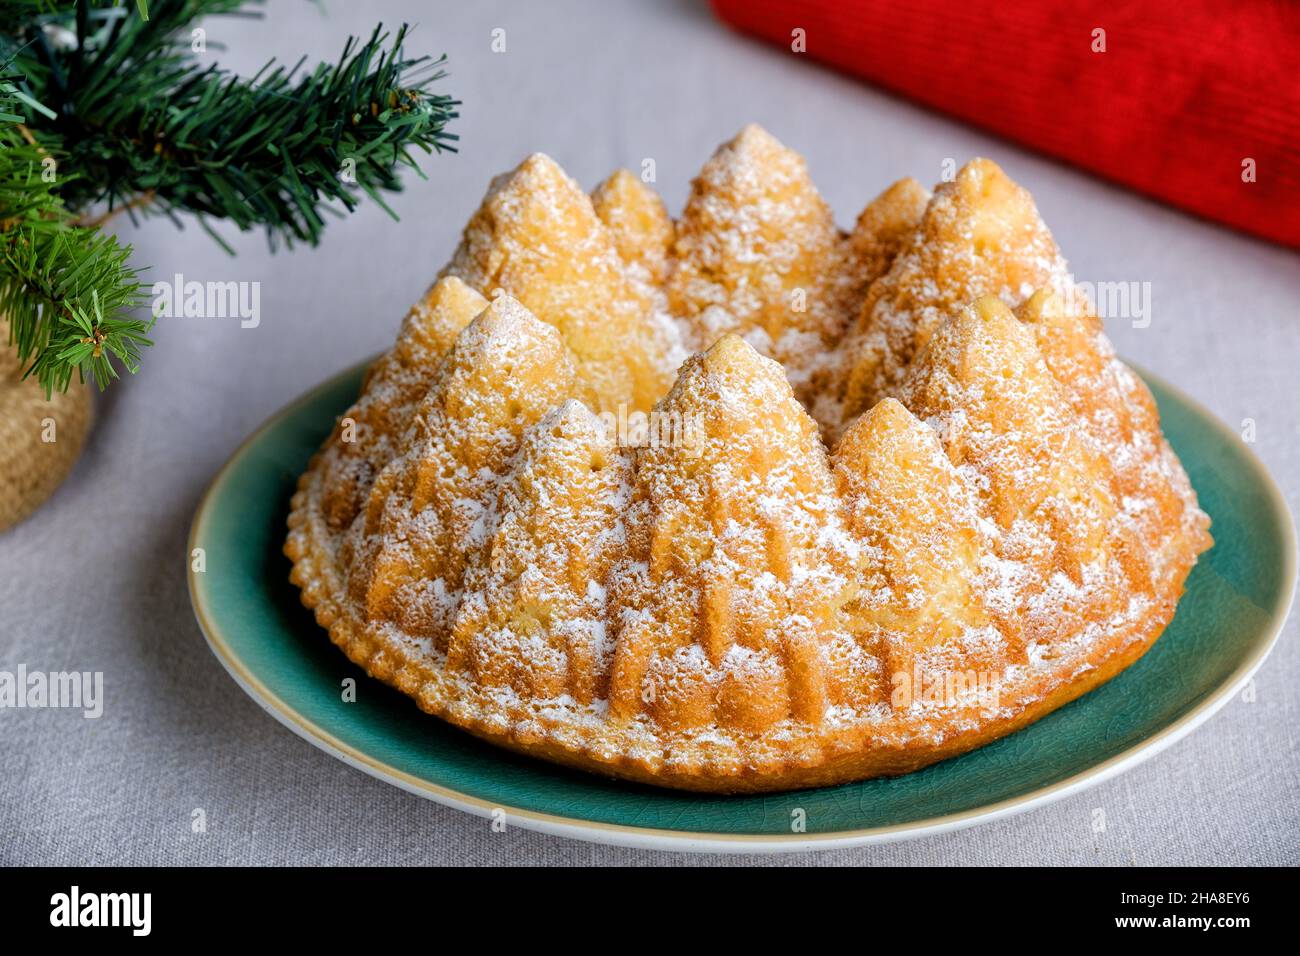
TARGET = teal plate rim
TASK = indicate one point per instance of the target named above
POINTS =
(1247, 581)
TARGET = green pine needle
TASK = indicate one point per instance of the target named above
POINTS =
(101, 107)
(139, 115)
(66, 291)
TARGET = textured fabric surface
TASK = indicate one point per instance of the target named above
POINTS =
(1168, 96)
(96, 579)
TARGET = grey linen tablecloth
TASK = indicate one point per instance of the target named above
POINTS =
(96, 580)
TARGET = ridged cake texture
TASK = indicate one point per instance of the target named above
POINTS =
(743, 501)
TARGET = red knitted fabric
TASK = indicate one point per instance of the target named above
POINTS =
(1186, 93)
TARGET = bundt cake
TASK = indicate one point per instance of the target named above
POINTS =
(740, 502)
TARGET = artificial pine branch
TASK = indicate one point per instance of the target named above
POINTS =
(66, 292)
(136, 124)
(138, 114)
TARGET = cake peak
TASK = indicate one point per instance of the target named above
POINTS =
(727, 604)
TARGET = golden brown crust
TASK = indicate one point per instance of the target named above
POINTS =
(747, 605)
(874, 758)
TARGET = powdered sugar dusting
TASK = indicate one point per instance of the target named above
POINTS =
(1001, 501)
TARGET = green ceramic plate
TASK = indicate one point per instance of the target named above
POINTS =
(1237, 598)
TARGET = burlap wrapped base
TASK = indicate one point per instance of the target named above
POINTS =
(39, 440)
